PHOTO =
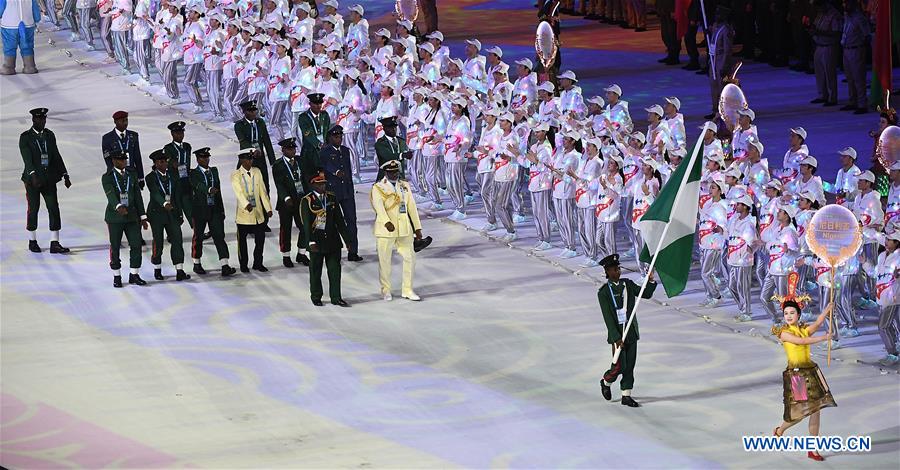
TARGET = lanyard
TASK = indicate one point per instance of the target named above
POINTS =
(613, 296)
(203, 172)
(290, 170)
(254, 132)
(127, 141)
(40, 140)
(391, 145)
(181, 153)
(165, 190)
(252, 189)
(119, 185)
(315, 122)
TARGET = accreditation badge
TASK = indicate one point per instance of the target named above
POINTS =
(298, 186)
(182, 171)
(620, 314)
(45, 160)
(123, 199)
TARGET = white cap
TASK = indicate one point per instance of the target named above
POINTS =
(333, 47)
(791, 210)
(718, 158)
(867, 176)
(639, 136)
(526, 63)
(491, 112)
(719, 181)
(572, 135)
(406, 24)
(895, 235)
(614, 88)
(475, 43)
(359, 9)
(747, 112)
(305, 53)
(427, 46)
(799, 131)
(599, 101)
(436, 35)
(541, 126)
(507, 117)
(389, 84)
(745, 200)
(615, 156)
(330, 3)
(381, 32)
(329, 18)
(757, 144)
(352, 73)
(807, 195)
(230, 6)
(733, 171)
(655, 109)
(711, 126)
(678, 152)
(283, 43)
(302, 5)
(502, 67)
(775, 183)
(849, 151)
(650, 162)
(458, 63)
(546, 86)
(811, 161)
(569, 75)
(674, 101)
(459, 100)
(495, 50)
(328, 65)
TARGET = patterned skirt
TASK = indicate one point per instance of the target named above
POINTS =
(805, 392)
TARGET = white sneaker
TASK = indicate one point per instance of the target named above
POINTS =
(437, 206)
(742, 318)
(705, 302)
(568, 254)
(889, 360)
(74, 37)
(109, 60)
(143, 82)
(388, 297)
(510, 237)
(90, 47)
(443, 191)
(421, 198)
(589, 263)
(554, 227)
(713, 303)
(413, 297)
(470, 198)
(518, 219)
(457, 215)
(357, 180)
(489, 228)
(197, 109)
(542, 246)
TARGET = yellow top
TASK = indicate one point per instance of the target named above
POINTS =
(797, 354)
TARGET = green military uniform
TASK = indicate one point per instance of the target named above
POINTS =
(44, 167)
(179, 157)
(612, 299)
(254, 134)
(208, 210)
(122, 189)
(387, 149)
(289, 178)
(324, 227)
(312, 131)
(164, 190)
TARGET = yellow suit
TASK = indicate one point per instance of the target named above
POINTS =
(242, 184)
(387, 202)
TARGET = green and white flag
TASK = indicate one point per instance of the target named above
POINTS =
(670, 223)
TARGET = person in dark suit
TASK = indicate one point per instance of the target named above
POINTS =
(124, 215)
(335, 160)
(165, 215)
(124, 140)
(324, 225)
(208, 211)
(313, 125)
(617, 299)
(390, 147)
(289, 182)
(252, 133)
(44, 168)
(178, 154)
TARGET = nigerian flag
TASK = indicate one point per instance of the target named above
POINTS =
(670, 223)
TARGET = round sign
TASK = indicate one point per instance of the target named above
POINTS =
(407, 9)
(888, 150)
(545, 44)
(731, 101)
(834, 234)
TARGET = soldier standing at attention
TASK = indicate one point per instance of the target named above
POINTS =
(165, 215)
(124, 215)
(324, 225)
(617, 299)
(253, 209)
(313, 126)
(44, 168)
(124, 140)
(335, 160)
(289, 183)
(208, 210)
(252, 133)
(178, 154)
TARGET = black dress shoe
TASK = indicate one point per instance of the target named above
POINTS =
(157, 274)
(302, 259)
(419, 245)
(181, 275)
(817, 101)
(117, 281)
(663, 60)
(848, 107)
(628, 401)
(640, 30)
(55, 247)
(245, 269)
(260, 268)
(354, 257)
(207, 235)
(861, 111)
(709, 116)
(286, 261)
(604, 389)
(340, 303)
(136, 279)
(830, 103)
(691, 67)
(227, 271)
(198, 269)
(317, 302)
(33, 246)
(672, 61)
(702, 71)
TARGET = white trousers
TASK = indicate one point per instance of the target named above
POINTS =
(404, 247)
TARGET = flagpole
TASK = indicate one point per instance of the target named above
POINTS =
(687, 173)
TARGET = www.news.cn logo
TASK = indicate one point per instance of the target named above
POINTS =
(807, 443)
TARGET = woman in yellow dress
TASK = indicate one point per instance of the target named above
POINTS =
(805, 389)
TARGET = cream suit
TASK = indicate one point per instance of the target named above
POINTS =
(387, 203)
(241, 183)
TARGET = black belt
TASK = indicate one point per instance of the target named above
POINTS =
(854, 47)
